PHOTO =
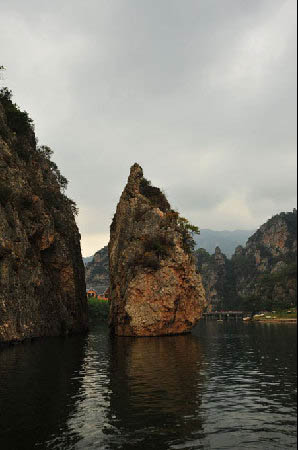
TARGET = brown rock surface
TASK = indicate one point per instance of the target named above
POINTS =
(42, 286)
(154, 287)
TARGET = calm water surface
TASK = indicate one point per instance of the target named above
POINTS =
(227, 386)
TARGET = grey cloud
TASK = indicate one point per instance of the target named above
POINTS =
(201, 93)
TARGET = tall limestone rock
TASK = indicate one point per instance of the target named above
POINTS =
(42, 285)
(154, 287)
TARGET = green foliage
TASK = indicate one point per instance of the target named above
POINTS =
(187, 230)
(158, 200)
(59, 201)
(72, 204)
(160, 245)
(243, 265)
(156, 197)
(17, 120)
(46, 152)
(156, 248)
(203, 257)
(24, 201)
(185, 225)
(148, 260)
(98, 309)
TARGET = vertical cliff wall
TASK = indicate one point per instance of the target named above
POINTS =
(42, 284)
(154, 286)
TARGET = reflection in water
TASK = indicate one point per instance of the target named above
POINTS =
(156, 400)
(39, 382)
(251, 390)
(226, 386)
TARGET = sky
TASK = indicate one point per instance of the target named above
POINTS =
(201, 93)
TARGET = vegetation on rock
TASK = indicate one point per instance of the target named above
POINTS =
(261, 276)
(40, 255)
(98, 310)
(154, 287)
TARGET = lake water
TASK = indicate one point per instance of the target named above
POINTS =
(229, 385)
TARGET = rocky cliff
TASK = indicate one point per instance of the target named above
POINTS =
(265, 269)
(261, 275)
(42, 285)
(154, 287)
(97, 271)
(217, 276)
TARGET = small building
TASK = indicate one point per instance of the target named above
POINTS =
(91, 293)
(102, 297)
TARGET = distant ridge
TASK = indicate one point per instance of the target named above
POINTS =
(226, 240)
(87, 259)
(210, 239)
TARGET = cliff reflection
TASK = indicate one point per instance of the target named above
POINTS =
(156, 388)
(36, 394)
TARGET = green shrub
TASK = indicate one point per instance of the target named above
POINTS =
(147, 260)
(17, 120)
(24, 201)
(159, 245)
(21, 148)
(156, 197)
(98, 309)
(52, 199)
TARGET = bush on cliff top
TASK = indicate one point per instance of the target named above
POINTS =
(24, 144)
(17, 120)
(156, 197)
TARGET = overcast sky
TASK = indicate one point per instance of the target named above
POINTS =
(201, 93)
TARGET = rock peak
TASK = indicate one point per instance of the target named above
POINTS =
(135, 176)
(136, 170)
(154, 287)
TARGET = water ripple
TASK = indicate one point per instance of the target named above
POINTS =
(223, 387)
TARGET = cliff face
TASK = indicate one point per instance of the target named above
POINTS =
(42, 285)
(97, 271)
(266, 268)
(154, 287)
(217, 278)
(261, 275)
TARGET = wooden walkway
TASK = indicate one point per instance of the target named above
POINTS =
(224, 315)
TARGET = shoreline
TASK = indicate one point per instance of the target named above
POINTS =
(275, 321)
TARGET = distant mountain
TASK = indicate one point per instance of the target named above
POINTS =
(87, 259)
(97, 271)
(226, 240)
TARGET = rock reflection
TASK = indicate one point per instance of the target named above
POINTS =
(156, 388)
(36, 394)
